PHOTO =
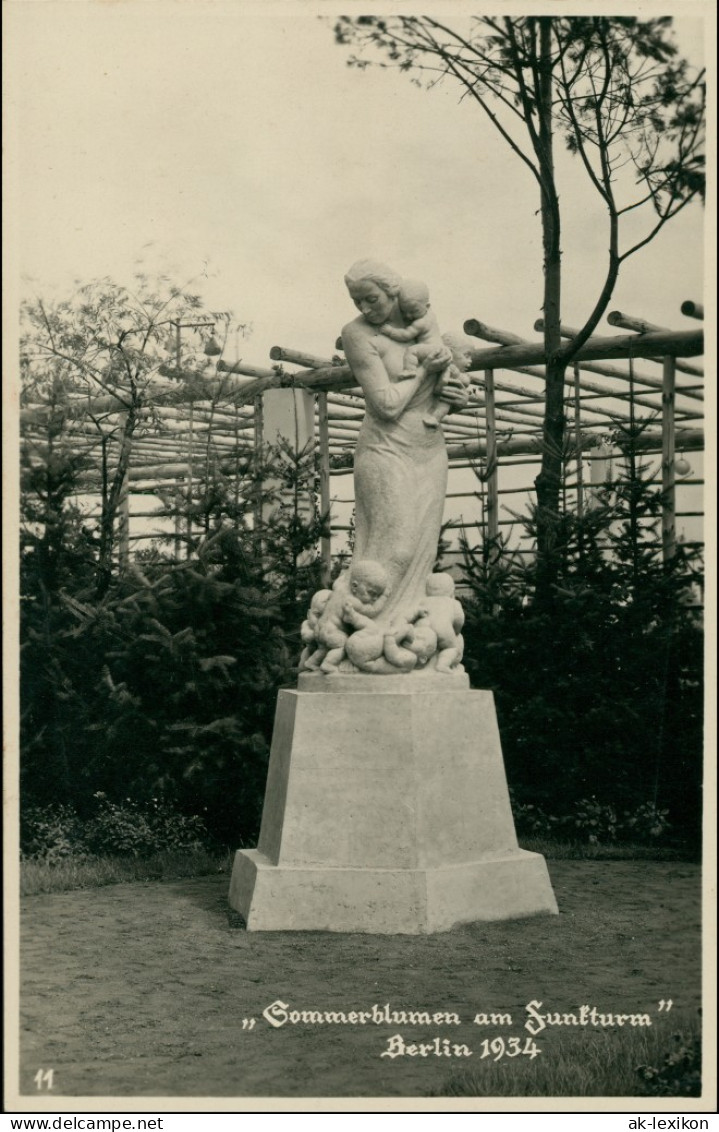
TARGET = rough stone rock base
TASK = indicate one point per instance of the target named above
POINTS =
(386, 811)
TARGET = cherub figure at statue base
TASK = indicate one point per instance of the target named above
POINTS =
(349, 636)
(415, 638)
(366, 645)
(446, 616)
(330, 632)
(359, 593)
(308, 629)
(393, 650)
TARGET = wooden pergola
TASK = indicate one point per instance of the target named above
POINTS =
(194, 420)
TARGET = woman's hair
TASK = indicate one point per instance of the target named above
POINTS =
(373, 271)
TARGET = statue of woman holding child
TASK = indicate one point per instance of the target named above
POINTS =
(389, 613)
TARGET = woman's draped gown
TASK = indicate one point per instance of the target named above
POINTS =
(400, 476)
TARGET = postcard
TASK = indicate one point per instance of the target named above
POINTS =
(356, 516)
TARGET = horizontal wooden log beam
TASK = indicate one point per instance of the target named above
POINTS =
(322, 379)
(632, 322)
(687, 440)
(168, 434)
(678, 343)
(301, 358)
(479, 329)
(204, 411)
(692, 309)
(641, 326)
(639, 378)
(353, 399)
(39, 411)
(191, 388)
(335, 378)
(169, 471)
(327, 379)
(344, 413)
(89, 482)
(246, 370)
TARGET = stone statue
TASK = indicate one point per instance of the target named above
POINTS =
(400, 477)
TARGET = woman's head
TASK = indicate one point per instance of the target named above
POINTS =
(372, 271)
(374, 288)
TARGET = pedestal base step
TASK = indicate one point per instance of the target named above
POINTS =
(388, 901)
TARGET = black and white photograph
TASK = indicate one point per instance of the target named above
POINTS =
(356, 522)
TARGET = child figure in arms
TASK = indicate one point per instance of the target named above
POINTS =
(423, 332)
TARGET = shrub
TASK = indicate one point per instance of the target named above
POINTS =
(130, 828)
(646, 824)
(532, 820)
(593, 822)
(679, 1073)
(56, 833)
(599, 693)
(165, 684)
(50, 833)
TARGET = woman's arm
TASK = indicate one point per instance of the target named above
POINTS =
(387, 401)
(455, 387)
(400, 334)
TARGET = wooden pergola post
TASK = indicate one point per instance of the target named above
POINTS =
(236, 494)
(122, 516)
(324, 469)
(178, 524)
(259, 441)
(190, 457)
(578, 442)
(668, 474)
(492, 468)
(123, 525)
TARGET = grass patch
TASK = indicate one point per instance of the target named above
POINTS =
(87, 871)
(83, 870)
(140, 989)
(658, 1062)
(620, 851)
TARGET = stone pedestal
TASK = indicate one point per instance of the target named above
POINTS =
(386, 811)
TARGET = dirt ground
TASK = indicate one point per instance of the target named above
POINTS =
(142, 989)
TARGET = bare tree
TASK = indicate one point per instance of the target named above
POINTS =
(91, 361)
(618, 95)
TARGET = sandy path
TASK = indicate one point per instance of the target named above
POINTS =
(141, 989)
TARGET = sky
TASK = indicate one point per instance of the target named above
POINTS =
(231, 145)
(219, 141)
